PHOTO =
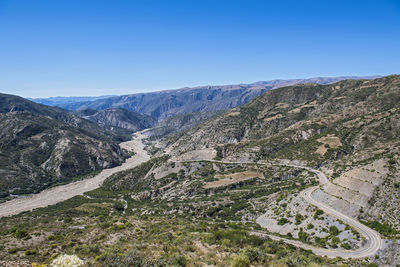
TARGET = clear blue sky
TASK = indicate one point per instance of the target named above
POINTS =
(95, 47)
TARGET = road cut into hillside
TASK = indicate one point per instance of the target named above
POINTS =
(373, 241)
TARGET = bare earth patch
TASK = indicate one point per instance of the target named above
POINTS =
(233, 178)
(278, 116)
(331, 140)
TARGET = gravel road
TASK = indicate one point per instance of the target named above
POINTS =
(373, 241)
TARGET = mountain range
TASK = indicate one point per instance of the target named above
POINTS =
(163, 104)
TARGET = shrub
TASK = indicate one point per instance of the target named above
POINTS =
(240, 261)
(303, 236)
(30, 252)
(178, 259)
(384, 228)
(317, 213)
(346, 246)
(283, 221)
(310, 226)
(334, 230)
(12, 250)
(20, 233)
(253, 254)
(119, 206)
(299, 218)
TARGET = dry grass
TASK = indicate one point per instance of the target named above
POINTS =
(233, 178)
(331, 140)
(278, 116)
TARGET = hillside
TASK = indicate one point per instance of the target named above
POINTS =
(163, 104)
(41, 146)
(227, 190)
(179, 123)
(118, 117)
(351, 128)
(286, 116)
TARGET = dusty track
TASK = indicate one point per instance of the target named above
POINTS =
(373, 241)
(60, 193)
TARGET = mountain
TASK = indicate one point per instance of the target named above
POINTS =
(163, 104)
(61, 100)
(311, 108)
(179, 123)
(118, 117)
(350, 128)
(41, 146)
(257, 180)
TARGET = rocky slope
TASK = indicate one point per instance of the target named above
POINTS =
(350, 127)
(41, 146)
(287, 116)
(118, 117)
(163, 104)
(180, 123)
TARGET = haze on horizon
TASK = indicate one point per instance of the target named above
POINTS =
(82, 48)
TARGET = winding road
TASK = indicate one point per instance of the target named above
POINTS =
(373, 241)
(372, 244)
(60, 193)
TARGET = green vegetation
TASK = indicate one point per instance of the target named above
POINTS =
(282, 221)
(383, 228)
(317, 214)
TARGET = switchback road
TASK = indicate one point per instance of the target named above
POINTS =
(373, 241)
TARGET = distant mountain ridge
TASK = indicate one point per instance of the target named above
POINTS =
(63, 100)
(163, 104)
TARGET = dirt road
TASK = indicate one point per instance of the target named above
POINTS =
(373, 241)
(60, 193)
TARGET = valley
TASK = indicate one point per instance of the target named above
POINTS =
(64, 192)
(303, 175)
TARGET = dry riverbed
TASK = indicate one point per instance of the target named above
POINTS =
(60, 193)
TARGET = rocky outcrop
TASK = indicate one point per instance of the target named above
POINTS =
(41, 146)
(119, 117)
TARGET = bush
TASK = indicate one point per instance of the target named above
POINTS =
(310, 226)
(119, 206)
(20, 233)
(12, 250)
(317, 213)
(334, 230)
(30, 252)
(346, 246)
(283, 221)
(384, 228)
(299, 219)
(303, 236)
(240, 261)
(178, 259)
(253, 254)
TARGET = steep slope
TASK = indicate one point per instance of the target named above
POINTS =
(179, 123)
(119, 117)
(288, 115)
(41, 146)
(350, 127)
(163, 104)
